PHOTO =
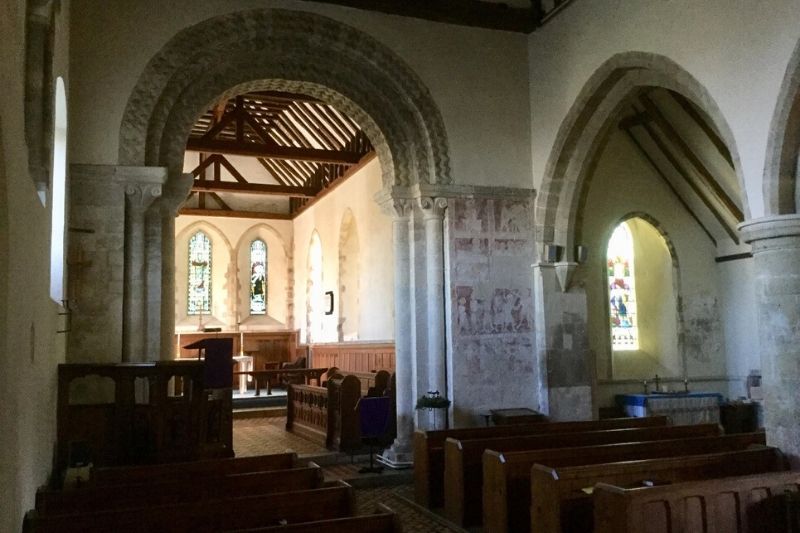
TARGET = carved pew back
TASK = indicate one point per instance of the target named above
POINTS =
(752, 504)
(559, 503)
(336, 501)
(91, 499)
(464, 474)
(429, 447)
(506, 480)
(192, 470)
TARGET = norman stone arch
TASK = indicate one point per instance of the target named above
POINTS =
(274, 49)
(581, 135)
(291, 51)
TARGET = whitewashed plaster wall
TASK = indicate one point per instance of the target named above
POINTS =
(376, 255)
(231, 238)
(738, 54)
(718, 339)
(477, 77)
(30, 349)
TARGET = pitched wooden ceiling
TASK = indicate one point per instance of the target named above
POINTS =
(681, 144)
(302, 147)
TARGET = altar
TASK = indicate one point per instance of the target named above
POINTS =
(682, 408)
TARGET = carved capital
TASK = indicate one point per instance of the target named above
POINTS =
(432, 207)
(401, 207)
(141, 195)
(175, 193)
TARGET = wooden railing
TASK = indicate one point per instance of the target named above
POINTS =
(363, 357)
(141, 413)
(268, 376)
(327, 414)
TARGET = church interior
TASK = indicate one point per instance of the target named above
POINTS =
(537, 259)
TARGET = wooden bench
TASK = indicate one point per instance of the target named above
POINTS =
(335, 501)
(752, 504)
(429, 447)
(507, 475)
(561, 499)
(93, 498)
(383, 521)
(191, 470)
(463, 473)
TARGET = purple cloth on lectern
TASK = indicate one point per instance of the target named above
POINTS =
(373, 415)
(218, 373)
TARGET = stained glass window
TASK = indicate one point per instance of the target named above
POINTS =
(199, 297)
(258, 277)
(621, 290)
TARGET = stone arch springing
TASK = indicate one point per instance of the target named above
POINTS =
(349, 268)
(291, 51)
(782, 164)
(584, 130)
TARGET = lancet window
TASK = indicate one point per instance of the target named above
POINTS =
(622, 290)
(199, 295)
(258, 277)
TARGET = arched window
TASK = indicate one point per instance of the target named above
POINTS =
(258, 277)
(622, 290)
(199, 296)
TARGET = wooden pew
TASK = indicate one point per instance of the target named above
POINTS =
(429, 447)
(507, 475)
(752, 504)
(335, 501)
(93, 498)
(559, 502)
(463, 473)
(191, 470)
(383, 521)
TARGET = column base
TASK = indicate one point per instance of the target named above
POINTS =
(399, 456)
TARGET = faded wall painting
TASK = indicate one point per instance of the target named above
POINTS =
(491, 290)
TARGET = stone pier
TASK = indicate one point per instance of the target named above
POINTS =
(776, 252)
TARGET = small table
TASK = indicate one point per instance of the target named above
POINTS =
(682, 408)
(244, 363)
(519, 415)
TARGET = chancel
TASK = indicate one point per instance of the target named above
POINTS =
(558, 238)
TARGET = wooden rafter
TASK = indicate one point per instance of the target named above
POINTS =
(666, 181)
(249, 149)
(234, 213)
(252, 188)
(684, 173)
(708, 179)
(689, 109)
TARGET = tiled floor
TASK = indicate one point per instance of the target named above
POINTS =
(262, 436)
(267, 435)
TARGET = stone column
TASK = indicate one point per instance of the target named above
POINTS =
(401, 451)
(175, 193)
(433, 215)
(776, 252)
(140, 192)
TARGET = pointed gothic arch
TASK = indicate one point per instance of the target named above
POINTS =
(782, 163)
(583, 132)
